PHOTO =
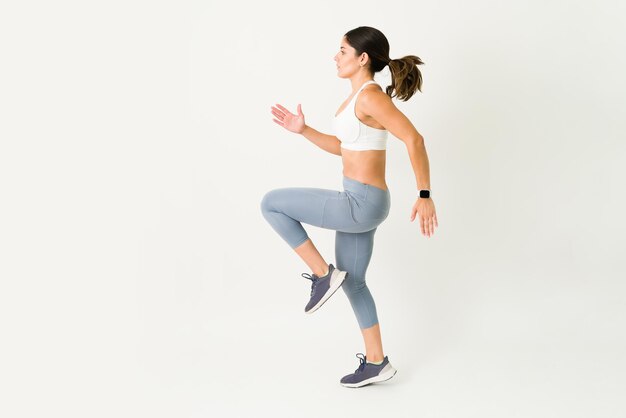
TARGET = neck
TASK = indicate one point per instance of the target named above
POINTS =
(357, 82)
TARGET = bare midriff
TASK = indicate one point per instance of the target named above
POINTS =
(365, 166)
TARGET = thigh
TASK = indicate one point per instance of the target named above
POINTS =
(323, 208)
(353, 252)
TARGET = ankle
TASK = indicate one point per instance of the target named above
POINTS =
(322, 272)
(375, 359)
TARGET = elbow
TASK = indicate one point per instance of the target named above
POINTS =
(415, 140)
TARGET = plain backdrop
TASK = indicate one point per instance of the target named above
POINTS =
(140, 279)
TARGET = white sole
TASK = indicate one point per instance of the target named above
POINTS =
(336, 279)
(386, 373)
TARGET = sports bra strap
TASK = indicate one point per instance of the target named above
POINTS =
(366, 83)
(361, 88)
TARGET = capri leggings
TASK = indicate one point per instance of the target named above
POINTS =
(354, 214)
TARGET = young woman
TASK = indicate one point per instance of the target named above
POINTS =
(361, 125)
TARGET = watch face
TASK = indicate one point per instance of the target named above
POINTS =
(424, 193)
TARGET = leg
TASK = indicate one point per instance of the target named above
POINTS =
(353, 252)
(308, 252)
(287, 208)
(373, 343)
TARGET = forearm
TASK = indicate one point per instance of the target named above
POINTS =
(419, 161)
(328, 143)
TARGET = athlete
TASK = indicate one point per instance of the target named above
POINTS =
(360, 128)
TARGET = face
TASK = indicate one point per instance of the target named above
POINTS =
(347, 62)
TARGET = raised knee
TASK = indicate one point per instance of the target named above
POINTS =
(266, 202)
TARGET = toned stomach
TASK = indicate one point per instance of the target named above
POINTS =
(365, 166)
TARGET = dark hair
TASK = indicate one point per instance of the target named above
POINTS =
(406, 78)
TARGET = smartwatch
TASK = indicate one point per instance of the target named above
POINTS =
(425, 193)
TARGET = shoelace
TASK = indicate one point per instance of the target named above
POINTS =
(312, 279)
(362, 363)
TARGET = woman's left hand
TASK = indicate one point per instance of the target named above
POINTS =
(425, 207)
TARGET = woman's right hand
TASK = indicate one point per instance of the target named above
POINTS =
(289, 121)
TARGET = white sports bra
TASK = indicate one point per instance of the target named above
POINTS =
(354, 134)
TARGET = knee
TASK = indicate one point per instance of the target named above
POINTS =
(266, 202)
(351, 286)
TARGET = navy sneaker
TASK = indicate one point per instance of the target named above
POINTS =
(368, 373)
(323, 288)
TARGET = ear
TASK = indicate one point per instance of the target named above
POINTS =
(365, 57)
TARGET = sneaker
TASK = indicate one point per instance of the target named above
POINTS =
(323, 288)
(368, 373)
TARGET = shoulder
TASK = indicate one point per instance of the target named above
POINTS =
(372, 87)
(373, 96)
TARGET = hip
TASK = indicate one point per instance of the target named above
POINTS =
(370, 201)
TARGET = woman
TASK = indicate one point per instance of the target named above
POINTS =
(361, 125)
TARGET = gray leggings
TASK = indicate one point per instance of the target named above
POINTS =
(354, 214)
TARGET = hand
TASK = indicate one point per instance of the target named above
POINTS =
(289, 121)
(428, 218)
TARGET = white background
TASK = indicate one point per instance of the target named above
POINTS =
(139, 278)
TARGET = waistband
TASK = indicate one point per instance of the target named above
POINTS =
(355, 184)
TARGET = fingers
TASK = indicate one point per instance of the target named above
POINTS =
(425, 227)
(283, 108)
(278, 114)
(428, 225)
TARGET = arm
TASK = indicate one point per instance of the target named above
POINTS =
(295, 123)
(328, 143)
(419, 162)
(379, 106)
